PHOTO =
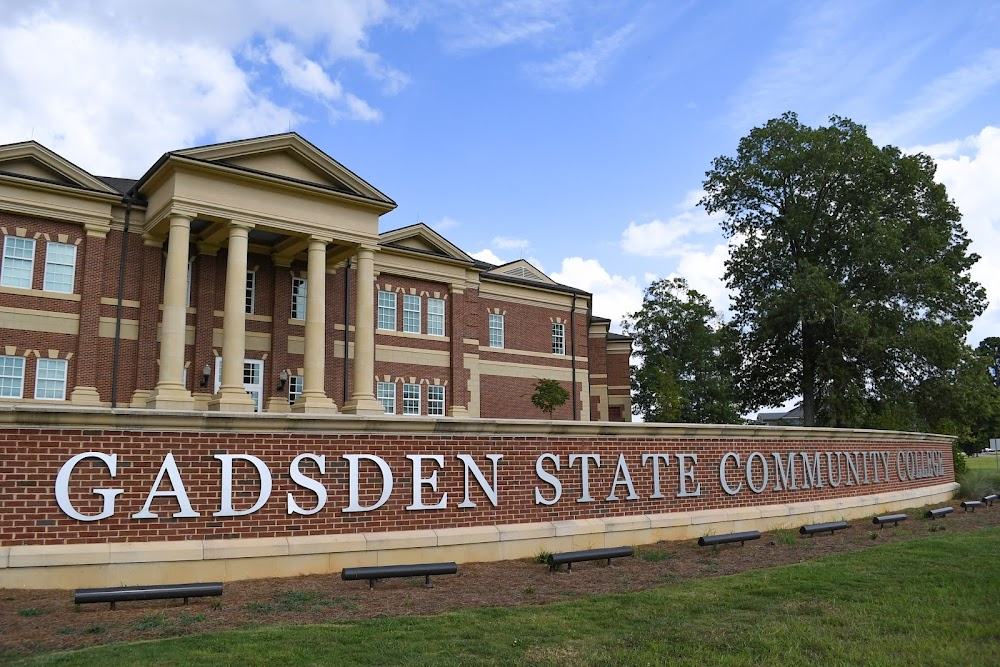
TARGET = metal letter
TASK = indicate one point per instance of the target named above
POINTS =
(687, 474)
(420, 482)
(169, 467)
(722, 473)
(109, 495)
(549, 479)
(227, 484)
(490, 491)
(656, 458)
(308, 483)
(353, 503)
(585, 474)
(622, 471)
(749, 473)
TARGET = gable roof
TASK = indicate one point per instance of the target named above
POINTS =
(523, 270)
(31, 161)
(285, 156)
(422, 239)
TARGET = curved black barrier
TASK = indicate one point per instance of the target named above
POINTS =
(894, 519)
(424, 570)
(711, 540)
(973, 504)
(160, 592)
(570, 557)
(823, 528)
(941, 511)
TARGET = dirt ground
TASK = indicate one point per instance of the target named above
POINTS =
(46, 620)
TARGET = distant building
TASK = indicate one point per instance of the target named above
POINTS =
(791, 417)
(251, 276)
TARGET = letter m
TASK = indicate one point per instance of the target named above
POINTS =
(811, 477)
(785, 472)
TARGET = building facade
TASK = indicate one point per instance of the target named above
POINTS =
(251, 276)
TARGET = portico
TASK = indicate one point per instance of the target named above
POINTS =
(280, 197)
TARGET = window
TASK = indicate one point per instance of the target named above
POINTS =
(435, 399)
(60, 267)
(11, 377)
(386, 394)
(496, 330)
(411, 399)
(299, 286)
(387, 310)
(50, 379)
(18, 262)
(558, 338)
(435, 317)
(251, 281)
(188, 301)
(411, 313)
(294, 388)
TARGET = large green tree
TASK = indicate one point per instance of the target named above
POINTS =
(685, 371)
(849, 269)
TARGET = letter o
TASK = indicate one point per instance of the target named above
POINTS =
(765, 475)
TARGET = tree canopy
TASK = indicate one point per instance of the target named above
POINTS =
(549, 395)
(849, 268)
(685, 374)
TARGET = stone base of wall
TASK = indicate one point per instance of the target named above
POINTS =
(139, 563)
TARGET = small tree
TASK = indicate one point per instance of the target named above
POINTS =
(549, 395)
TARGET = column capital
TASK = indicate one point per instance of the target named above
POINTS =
(241, 224)
(97, 229)
(180, 219)
(152, 240)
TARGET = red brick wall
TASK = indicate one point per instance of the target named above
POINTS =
(30, 459)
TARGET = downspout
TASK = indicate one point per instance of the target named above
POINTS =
(121, 295)
(347, 323)
(572, 351)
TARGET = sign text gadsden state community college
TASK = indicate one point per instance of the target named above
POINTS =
(759, 472)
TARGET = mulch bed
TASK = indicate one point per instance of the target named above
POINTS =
(36, 621)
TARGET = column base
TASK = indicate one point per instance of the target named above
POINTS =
(277, 404)
(363, 405)
(139, 398)
(85, 396)
(170, 398)
(232, 401)
(458, 411)
(314, 405)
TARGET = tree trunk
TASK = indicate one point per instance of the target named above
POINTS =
(808, 375)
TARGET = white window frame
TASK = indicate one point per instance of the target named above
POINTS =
(385, 392)
(558, 338)
(57, 388)
(300, 292)
(251, 291)
(9, 377)
(295, 386)
(411, 399)
(386, 310)
(188, 300)
(496, 330)
(435, 317)
(411, 313)
(435, 400)
(13, 260)
(53, 281)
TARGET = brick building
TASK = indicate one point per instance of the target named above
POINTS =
(251, 275)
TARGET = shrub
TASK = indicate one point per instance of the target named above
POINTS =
(961, 467)
(974, 484)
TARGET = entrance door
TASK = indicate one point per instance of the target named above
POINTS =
(253, 380)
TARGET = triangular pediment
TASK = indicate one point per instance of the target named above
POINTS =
(421, 238)
(32, 161)
(287, 156)
(523, 270)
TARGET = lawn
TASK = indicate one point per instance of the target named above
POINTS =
(983, 462)
(920, 602)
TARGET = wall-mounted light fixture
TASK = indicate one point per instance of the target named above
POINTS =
(206, 373)
(282, 379)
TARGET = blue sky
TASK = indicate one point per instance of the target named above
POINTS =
(573, 134)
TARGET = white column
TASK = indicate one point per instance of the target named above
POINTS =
(232, 396)
(170, 393)
(363, 401)
(314, 398)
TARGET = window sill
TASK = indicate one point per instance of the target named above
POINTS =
(417, 336)
(22, 291)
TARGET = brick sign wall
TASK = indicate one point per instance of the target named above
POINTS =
(144, 485)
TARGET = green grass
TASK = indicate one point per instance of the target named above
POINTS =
(984, 462)
(921, 602)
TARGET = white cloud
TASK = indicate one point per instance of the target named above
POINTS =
(506, 243)
(942, 97)
(659, 238)
(704, 272)
(971, 174)
(113, 94)
(445, 224)
(484, 24)
(486, 255)
(576, 70)
(614, 296)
